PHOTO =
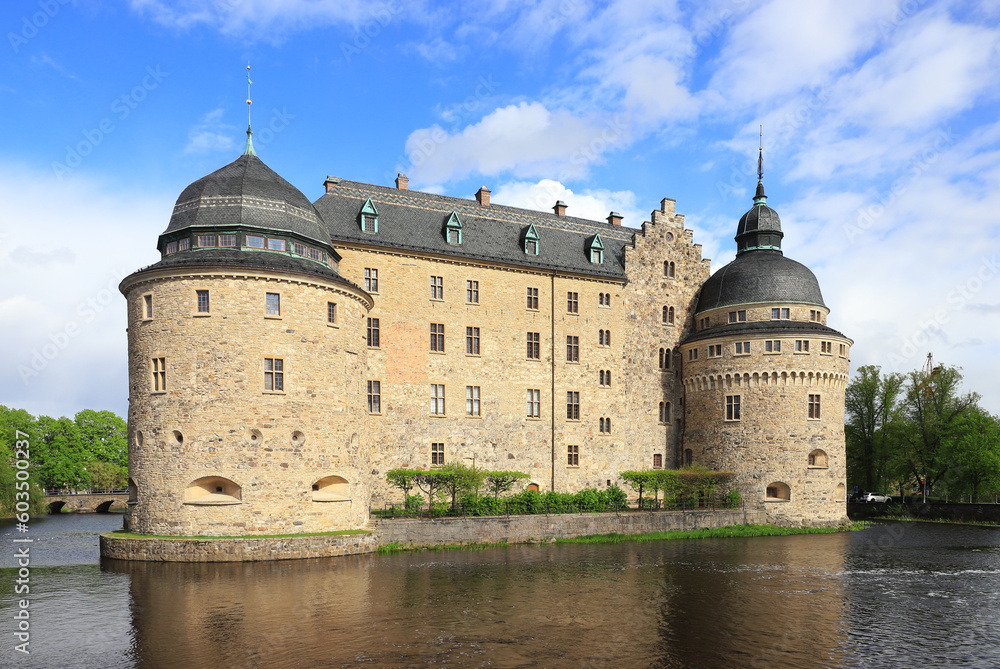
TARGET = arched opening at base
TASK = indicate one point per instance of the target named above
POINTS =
(213, 491)
(777, 492)
(841, 493)
(133, 492)
(104, 507)
(818, 459)
(532, 486)
(331, 489)
(56, 507)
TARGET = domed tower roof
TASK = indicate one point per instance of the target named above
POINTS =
(760, 273)
(247, 193)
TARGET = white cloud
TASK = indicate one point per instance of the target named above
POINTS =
(211, 134)
(64, 319)
(594, 204)
(437, 51)
(525, 139)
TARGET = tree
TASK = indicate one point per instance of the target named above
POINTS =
(499, 482)
(975, 453)
(104, 434)
(873, 415)
(935, 414)
(429, 483)
(60, 454)
(458, 479)
(402, 478)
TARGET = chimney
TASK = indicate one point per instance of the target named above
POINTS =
(483, 196)
(560, 208)
(330, 183)
(667, 206)
(614, 218)
(402, 182)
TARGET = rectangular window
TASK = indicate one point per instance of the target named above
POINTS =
(531, 247)
(737, 316)
(782, 313)
(814, 407)
(826, 347)
(184, 244)
(255, 242)
(573, 303)
(534, 404)
(272, 303)
(785, 313)
(472, 401)
(300, 249)
(534, 346)
(371, 280)
(472, 292)
(315, 254)
(815, 315)
(572, 349)
(657, 461)
(454, 236)
(274, 374)
(437, 287)
(374, 397)
(572, 405)
(665, 413)
(159, 375)
(171, 247)
(373, 338)
(533, 298)
(801, 345)
(205, 241)
(742, 348)
(437, 399)
(202, 301)
(437, 453)
(843, 349)
(605, 378)
(472, 341)
(331, 313)
(437, 337)
(368, 223)
(772, 346)
(715, 350)
(732, 407)
(147, 307)
(276, 244)
(693, 354)
(732, 316)
(227, 240)
(573, 456)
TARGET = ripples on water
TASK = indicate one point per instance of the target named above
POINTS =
(891, 596)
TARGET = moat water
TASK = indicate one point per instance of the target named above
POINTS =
(897, 595)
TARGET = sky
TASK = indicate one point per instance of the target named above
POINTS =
(881, 138)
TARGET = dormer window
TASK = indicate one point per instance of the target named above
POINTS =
(453, 230)
(531, 241)
(171, 247)
(596, 250)
(184, 244)
(369, 217)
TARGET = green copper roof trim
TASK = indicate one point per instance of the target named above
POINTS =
(454, 221)
(249, 150)
(369, 207)
(596, 243)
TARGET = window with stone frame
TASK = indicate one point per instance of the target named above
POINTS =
(801, 345)
(274, 375)
(331, 313)
(437, 337)
(573, 456)
(147, 307)
(772, 346)
(471, 341)
(437, 453)
(733, 407)
(437, 399)
(742, 348)
(534, 405)
(715, 350)
(272, 304)
(665, 356)
(572, 348)
(437, 287)
(572, 405)
(533, 299)
(159, 366)
(605, 425)
(374, 397)
(202, 299)
(371, 279)
(472, 401)
(657, 461)
(814, 407)
(534, 346)
(472, 292)
(605, 377)
(665, 412)
(373, 333)
(573, 303)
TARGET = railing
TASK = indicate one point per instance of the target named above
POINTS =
(67, 492)
(504, 508)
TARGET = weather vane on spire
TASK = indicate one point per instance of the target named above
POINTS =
(760, 154)
(249, 150)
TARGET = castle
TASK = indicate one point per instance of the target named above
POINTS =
(284, 355)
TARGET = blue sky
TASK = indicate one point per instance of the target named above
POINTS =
(881, 145)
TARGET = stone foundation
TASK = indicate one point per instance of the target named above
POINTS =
(250, 549)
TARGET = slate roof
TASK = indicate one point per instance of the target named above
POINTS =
(415, 221)
(777, 329)
(760, 276)
(249, 193)
(249, 260)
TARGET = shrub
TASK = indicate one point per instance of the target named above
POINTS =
(732, 499)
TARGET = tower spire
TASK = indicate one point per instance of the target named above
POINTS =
(249, 150)
(759, 197)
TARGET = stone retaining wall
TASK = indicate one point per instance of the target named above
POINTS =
(250, 549)
(521, 529)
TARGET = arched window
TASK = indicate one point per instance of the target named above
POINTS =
(665, 412)
(666, 313)
(331, 489)
(665, 356)
(777, 492)
(670, 270)
(818, 459)
(670, 316)
(213, 491)
(666, 268)
(841, 493)
(604, 337)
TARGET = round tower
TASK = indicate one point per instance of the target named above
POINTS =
(764, 380)
(246, 359)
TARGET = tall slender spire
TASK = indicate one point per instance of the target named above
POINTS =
(759, 197)
(249, 150)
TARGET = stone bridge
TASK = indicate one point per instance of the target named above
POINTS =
(90, 502)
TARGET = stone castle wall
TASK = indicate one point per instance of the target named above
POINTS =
(772, 441)
(265, 450)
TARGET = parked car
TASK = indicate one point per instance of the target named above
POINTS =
(876, 497)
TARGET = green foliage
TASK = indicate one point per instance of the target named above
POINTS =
(975, 457)
(873, 419)
(685, 486)
(501, 482)
(402, 479)
(103, 435)
(458, 479)
(732, 499)
(11, 486)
